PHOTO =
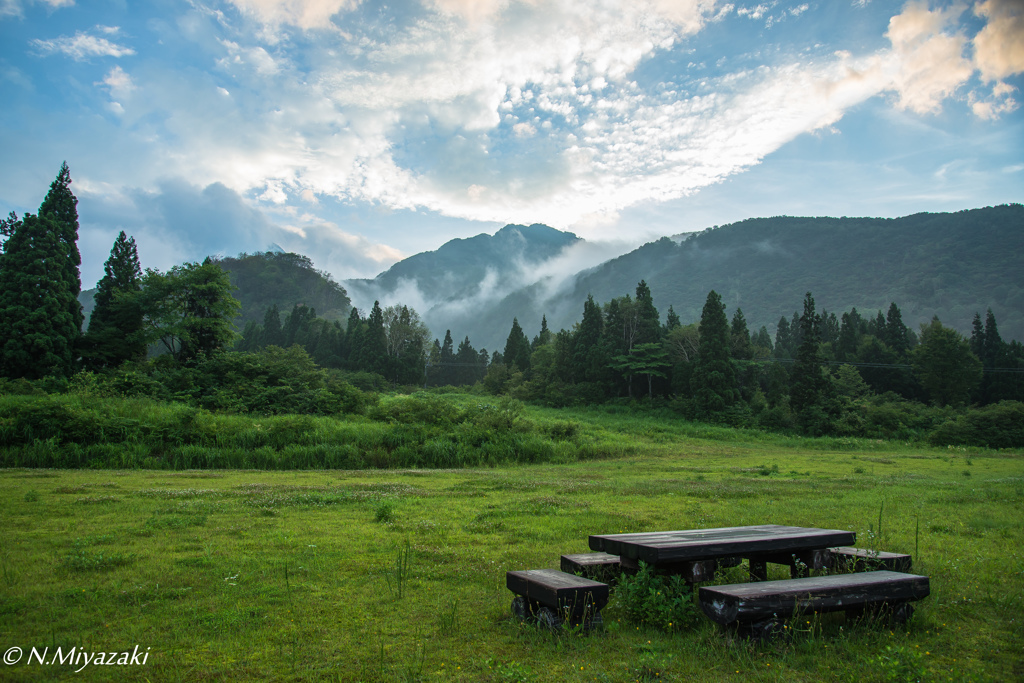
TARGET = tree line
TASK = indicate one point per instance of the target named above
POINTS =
(810, 376)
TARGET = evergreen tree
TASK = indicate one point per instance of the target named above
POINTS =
(517, 348)
(352, 343)
(545, 335)
(713, 382)
(783, 339)
(648, 320)
(374, 357)
(586, 342)
(810, 395)
(740, 337)
(114, 330)
(446, 373)
(977, 336)
(943, 361)
(38, 328)
(466, 357)
(671, 320)
(61, 205)
(273, 334)
(850, 330)
(895, 336)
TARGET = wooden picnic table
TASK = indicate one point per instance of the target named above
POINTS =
(695, 553)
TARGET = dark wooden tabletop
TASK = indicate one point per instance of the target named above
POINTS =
(707, 544)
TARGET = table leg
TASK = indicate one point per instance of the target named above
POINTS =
(758, 570)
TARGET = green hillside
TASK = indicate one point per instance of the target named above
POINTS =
(946, 264)
(284, 279)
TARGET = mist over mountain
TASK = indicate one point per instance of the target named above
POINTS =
(467, 281)
(946, 264)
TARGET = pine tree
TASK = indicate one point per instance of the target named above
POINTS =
(895, 335)
(38, 327)
(713, 382)
(446, 375)
(648, 319)
(114, 330)
(783, 339)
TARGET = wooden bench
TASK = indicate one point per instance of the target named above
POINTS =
(862, 559)
(596, 566)
(551, 597)
(763, 607)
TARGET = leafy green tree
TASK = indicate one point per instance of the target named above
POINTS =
(38, 328)
(114, 330)
(649, 360)
(407, 339)
(188, 309)
(273, 334)
(945, 366)
(713, 382)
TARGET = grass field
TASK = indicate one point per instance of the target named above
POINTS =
(298, 575)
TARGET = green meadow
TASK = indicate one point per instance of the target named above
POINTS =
(399, 574)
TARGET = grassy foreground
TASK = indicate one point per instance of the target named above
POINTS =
(387, 575)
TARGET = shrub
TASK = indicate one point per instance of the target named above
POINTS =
(661, 602)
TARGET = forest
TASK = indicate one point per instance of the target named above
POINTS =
(172, 338)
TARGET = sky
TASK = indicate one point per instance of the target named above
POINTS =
(360, 132)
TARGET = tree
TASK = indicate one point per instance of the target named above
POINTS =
(517, 348)
(644, 359)
(811, 395)
(945, 366)
(61, 205)
(713, 382)
(671, 320)
(114, 330)
(188, 309)
(374, 356)
(38, 328)
(407, 339)
(740, 337)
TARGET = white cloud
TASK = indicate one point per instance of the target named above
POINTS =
(118, 83)
(928, 58)
(999, 46)
(82, 45)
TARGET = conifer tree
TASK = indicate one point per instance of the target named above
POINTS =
(811, 395)
(273, 335)
(517, 348)
(740, 336)
(672, 320)
(713, 382)
(38, 327)
(586, 340)
(61, 206)
(375, 343)
(114, 330)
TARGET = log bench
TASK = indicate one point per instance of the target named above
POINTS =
(862, 559)
(551, 597)
(596, 566)
(763, 607)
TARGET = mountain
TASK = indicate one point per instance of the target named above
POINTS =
(946, 264)
(462, 280)
(285, 279)
(265, 279)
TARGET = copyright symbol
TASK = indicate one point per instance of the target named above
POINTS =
(12, 656)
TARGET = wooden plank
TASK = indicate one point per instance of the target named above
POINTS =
(707, 544)
(862, 559)
(597, 566)
(692, 571)
(750, 602)
(557, 589)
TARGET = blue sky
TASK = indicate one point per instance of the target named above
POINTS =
(360, 132)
